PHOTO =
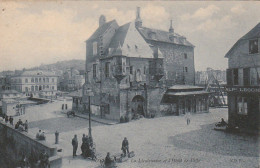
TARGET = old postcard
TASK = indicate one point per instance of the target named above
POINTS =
(129, 84)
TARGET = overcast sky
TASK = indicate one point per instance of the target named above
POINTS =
(34, 33)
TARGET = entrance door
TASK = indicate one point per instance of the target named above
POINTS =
(138, 105)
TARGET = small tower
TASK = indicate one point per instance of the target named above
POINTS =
(171, 30)
(138, 20)
(102, 20)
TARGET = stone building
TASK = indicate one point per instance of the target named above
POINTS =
(243, 82)
(71, 80)
(129, 67)
(35, 83)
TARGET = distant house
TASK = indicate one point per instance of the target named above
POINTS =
(243, 81)
(35, 83)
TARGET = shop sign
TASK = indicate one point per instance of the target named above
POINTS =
(243, 89)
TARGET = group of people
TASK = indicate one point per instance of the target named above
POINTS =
(109, 162)
(21, 126)
(87, 147)
(8, 119)
(40, 135)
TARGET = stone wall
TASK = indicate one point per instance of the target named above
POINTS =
(240, 57)
(15, 144)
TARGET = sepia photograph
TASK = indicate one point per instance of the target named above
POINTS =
(129, 84)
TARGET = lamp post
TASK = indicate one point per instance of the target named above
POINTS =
(89, 93)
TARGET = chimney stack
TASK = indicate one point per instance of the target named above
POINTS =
(171, 30)
(138, 20)
(102, 20)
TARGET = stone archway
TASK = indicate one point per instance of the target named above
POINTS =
(138, 105)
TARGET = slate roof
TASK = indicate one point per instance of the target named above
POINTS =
(100, 30)
(37, 73)
(163, 36)
(119, 36)
(253, 33)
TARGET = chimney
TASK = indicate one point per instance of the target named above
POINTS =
(171, 30)
(138, 20)
(102, 20)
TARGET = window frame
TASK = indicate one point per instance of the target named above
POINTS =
(249, 50)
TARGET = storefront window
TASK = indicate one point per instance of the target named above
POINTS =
(242, 105)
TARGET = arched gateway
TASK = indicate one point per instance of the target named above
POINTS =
(138, 105)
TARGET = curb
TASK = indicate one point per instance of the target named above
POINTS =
(95, 120)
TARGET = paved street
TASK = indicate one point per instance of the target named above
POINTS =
(168, 142)
(160, 142)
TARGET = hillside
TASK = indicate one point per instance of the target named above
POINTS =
(63, 65)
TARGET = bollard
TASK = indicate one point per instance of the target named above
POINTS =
(56, 137)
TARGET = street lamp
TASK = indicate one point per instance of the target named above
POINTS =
(89, 93)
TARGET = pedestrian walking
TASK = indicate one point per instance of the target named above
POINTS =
(188, 118)
(6, 119)
(125, 146)
(75, 145)
(11, 120)
(26, 126)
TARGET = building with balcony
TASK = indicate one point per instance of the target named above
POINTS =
(129, 67)
(243, 82)
(35, 83)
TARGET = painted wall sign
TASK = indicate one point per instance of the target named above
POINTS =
(243, 89)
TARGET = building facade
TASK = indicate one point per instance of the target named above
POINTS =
(243, 82)
(35, 83)
(72, 80)
(129, 68)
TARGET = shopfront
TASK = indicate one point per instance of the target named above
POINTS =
(244, 107)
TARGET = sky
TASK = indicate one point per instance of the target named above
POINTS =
(43, 32)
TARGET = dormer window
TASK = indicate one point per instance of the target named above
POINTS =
(95, 48)
(253, 46)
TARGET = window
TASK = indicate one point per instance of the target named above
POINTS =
(26, 80)
(185, 56)
(43, 79)
(40, 80)
(36, 88)
(107, 69)
(26, 89)
(32, 88)
(47, 86)
(253, 77)
(253, 46)
(131, 70)
(235, 76)
(52, 87)
(144, 69)
(36, 80)
(52, 80)
(186, 69)
(94, 70)
(242, 105)
(47, 79)
(95, 48)
(43, 87)
(246, 76)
